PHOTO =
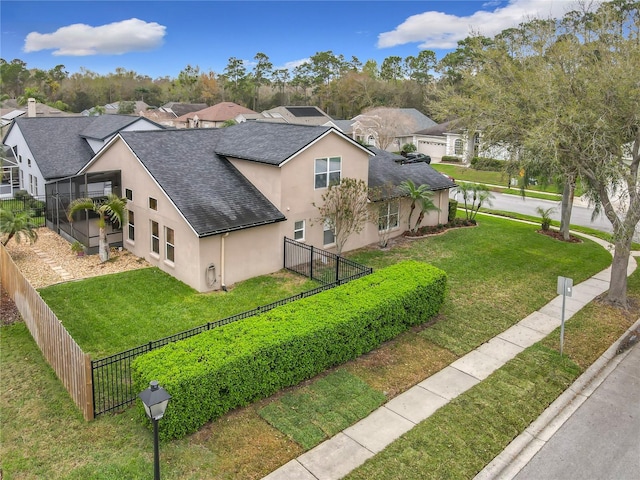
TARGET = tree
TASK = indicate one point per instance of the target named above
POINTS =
(385, 123)
(474, 196)
(18, 225)
(345, 208)
(426, 206)
(260, 75)
(564, 93)
(416, 194)
(113, 208)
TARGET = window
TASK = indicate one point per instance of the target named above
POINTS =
(328, 235)
(28, 162)
(132, 226)
(35, 185)
(128, 194)
(155, 237)
(388, 218)
(153, 203)
(20, 158)
(327, 171)
(31, 184)
(458, 147)
(298, 230)
(169, 245)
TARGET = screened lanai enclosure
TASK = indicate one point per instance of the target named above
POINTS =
(84, 227)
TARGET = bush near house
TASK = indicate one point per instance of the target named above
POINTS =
(487, 164)
(451, 159)
(231, 366)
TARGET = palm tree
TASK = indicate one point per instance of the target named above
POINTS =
(426, 206)
(18, 225)
(113, 208)
(474, 195)
(415, 194)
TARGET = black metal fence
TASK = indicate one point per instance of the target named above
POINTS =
(320, 265)
(25, 202)
(111, 376)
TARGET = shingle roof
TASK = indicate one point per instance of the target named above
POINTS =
(56, 144)
(212, 195)
(267, 142)
(180, 109)
(220, 112)
(105, 126)
(59, 145)
(440, 129)
(384, 169)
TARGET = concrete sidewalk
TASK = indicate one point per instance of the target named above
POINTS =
(336, 457)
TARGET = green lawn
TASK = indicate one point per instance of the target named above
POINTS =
(499, 272)
(112, 313)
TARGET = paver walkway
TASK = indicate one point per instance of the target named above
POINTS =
(53, 264)
(336, 457)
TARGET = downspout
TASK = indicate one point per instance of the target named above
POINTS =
(223, 286)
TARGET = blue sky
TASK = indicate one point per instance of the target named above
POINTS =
(160, 38)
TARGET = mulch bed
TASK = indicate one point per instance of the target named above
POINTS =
(8, 311)
(558, 236)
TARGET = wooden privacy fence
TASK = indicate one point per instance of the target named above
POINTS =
(69, 362)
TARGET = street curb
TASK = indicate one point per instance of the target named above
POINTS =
(525, 446)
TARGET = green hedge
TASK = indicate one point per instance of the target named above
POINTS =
(231, 366)
(451, 159)
(487, 164)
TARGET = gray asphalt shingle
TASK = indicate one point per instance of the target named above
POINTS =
(212, 195)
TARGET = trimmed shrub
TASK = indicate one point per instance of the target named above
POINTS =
(231, 366)
(487, 164)
(453, 207)
(450, 159)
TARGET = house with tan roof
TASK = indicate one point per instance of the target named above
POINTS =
(212, 117)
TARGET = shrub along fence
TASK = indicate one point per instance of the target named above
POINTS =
(244, 361)
(69, 362)
(112, 385)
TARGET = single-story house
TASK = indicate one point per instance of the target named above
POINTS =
(297, 115)
(212, 206)
(212, 117)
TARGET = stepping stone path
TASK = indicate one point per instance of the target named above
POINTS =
(66, 276)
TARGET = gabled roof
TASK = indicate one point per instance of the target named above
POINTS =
(59, 145)
(220, 112)
(440, 129)
(178, 108)
(303, 115)
(109, 125)
(210, 193)
(385, 169)
(267, 142)
(55, 143)
(417, 119)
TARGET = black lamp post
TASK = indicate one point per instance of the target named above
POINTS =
(155, 400)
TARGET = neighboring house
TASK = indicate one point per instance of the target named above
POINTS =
(212, 117)
(296, 115)
(387, 128)
(11, 109)
(450, 139)
(212, 206)
(177, 109)
(9, 179)
(48, 148)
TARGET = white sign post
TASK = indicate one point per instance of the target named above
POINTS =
(565, 285)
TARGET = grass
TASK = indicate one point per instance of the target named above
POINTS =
(44, 436)
(322, 409)
(462, 437)
(112, 313)
(467, 174)
(608, 237)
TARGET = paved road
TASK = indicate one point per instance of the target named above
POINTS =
(601, 440)
(580, 215)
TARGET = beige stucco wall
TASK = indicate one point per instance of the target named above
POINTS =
(247, 253)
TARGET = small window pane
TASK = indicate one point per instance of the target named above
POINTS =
(328, 235)
(155, 238)
(298, 230)
(128, 193)
(132, 228)
(170, 244)
(153, 203)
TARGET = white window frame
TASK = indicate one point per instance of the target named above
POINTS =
(458, 146)
(384, 224)
(327, 171)
(299, 228)
(131, 223)
(155, 238)
(169, 246)
(326, 227)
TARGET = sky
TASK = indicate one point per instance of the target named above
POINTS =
(161, 38)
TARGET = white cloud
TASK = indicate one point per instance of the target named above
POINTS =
(131, 35)
(435, 30)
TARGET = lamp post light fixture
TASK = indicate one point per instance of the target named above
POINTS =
(155, 400)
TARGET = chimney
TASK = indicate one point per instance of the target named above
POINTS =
(31, 108)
